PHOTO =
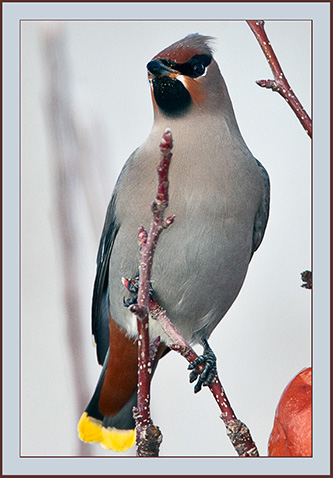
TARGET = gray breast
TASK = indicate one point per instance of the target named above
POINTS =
(201, 260)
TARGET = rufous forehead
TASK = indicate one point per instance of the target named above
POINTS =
(178, 55)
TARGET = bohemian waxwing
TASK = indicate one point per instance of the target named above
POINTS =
(219, 194)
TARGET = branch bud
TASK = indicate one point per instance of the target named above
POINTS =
(142, 235)
(139, 311)
(125, 282)
(166, 142)
(168, 221)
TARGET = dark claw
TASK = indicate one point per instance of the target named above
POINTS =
(210, 377)
(193, 376)
(207, 375)
(133, 288)
(133, 285)
(196, 362)
(198, 386)
(132, 300)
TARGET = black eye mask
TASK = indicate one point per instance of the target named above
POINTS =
(193, 68)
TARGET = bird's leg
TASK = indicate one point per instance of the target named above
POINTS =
(208, 360)
(132, 285)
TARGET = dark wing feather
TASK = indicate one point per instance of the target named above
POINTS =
(261, 217)
(100, 302)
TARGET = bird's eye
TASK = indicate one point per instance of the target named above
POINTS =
(199, 69)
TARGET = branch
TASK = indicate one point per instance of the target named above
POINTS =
(238, 432)
(149, 437)
(65, 152)
(280, 83)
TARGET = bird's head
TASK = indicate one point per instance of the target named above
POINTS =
(185, 76)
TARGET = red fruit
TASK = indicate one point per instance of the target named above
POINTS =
(291, 434)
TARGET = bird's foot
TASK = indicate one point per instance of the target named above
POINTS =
(208, 359)
(132, 285)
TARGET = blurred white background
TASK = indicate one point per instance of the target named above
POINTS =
(265, 339)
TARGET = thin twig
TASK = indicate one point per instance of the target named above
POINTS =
(149, 437)
(280, 83)
(237, 431)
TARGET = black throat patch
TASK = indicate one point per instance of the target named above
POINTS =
(171, 95)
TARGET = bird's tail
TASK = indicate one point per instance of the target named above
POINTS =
(115, 433)
(108, 418)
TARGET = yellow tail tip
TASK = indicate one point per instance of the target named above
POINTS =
(90, 429)
(117, 440)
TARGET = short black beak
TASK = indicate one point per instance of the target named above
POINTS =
(156, 68)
